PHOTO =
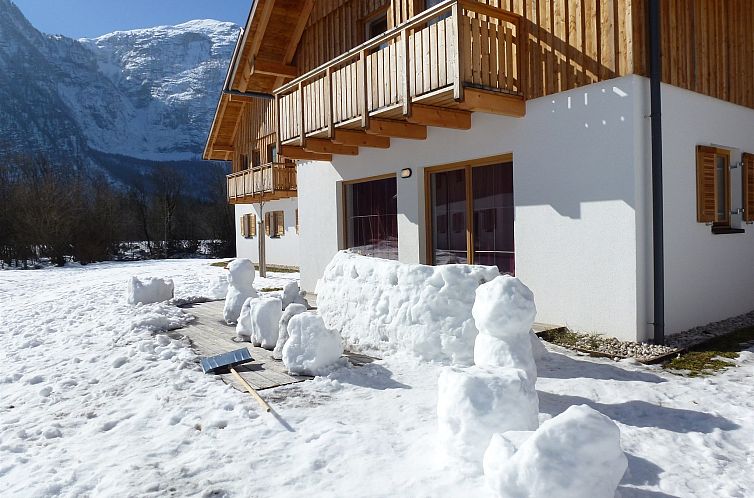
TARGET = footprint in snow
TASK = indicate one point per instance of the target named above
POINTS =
(108, 426)
(52, 433)
(120, 361)
(45, 391)
(37, 379)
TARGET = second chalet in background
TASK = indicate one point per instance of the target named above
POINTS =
(510, 133)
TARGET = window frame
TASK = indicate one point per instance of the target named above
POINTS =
(344, 201)
(461, 165)
(702, 216)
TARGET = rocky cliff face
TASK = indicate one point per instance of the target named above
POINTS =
(147, 95)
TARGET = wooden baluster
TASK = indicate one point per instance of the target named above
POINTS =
(278, 128)
(302, 124)
(406, 73)
(364, 88)
(458, 69)
(329, 100)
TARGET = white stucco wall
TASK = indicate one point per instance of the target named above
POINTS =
(281, 250)
(575, 189)
(708, 277)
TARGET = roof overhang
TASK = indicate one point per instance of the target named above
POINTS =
(261, 62)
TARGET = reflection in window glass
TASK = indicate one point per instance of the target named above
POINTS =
(372, 218)
(449, 217)
(492, 188)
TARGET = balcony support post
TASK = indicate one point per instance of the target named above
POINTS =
(458, 69)
(302, 114)
(364, 88)
(329, 110)
(406, 74)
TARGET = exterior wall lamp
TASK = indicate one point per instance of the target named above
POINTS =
(406, 173)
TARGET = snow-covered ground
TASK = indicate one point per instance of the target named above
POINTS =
(94, 403)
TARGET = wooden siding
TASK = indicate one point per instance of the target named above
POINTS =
(255, 131)
(707, 47)
(335, 27)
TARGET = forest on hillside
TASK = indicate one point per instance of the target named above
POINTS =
(63, 212)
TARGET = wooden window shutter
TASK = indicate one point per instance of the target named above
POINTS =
(706, 194)
(747, 179)
(279, 223)
(243, 226)
(253, 225)
(267, 223)
(298, 228)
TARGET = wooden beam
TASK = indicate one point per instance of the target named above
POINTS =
(361, 139)
(398, 129)
(296, 34)
(256, 41)
(323, 146)
(294, 152)
(437, 116)
(272, 68)
(493, 103)
(223, 148)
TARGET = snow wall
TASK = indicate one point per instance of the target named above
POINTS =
(384, 305)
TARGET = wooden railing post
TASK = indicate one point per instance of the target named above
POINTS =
(364, 88)
(406, 76)
(278, 129)
(329, 109)
(458, 73)
(302, 113)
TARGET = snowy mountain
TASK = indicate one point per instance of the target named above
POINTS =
(123, 100)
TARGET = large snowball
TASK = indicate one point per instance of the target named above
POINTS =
(386, 305)
(149, 290)
(217, 287)
(573, 455)
(292, 295)
(514, 352)
(311, 348)
(241, 275)
(259, 321)
(290, 311)
(538, 349)
(504, 308)
(476, 402)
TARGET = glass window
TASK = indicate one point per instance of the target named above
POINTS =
(721, 184)
(372, 218)
(449, 217)
(489, 198)
(493, 216)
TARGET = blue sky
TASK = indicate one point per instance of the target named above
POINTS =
(89, 18)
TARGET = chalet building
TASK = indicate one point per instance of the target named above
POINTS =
(519, 133)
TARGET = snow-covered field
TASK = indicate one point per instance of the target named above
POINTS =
(94, 403)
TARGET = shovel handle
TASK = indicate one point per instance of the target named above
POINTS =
(251, 390)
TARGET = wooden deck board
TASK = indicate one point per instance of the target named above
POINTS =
(210, 335)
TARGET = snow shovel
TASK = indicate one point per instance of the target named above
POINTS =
(226, 362)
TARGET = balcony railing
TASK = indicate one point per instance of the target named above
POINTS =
(431, 59)
(269, 181)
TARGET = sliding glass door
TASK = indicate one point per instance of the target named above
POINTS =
(472, 215)
(372, 217)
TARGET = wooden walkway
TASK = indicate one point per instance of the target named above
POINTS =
(210, 335)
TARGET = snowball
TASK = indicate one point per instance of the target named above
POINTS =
(476, 402)
(259, 321)
(504, 308)
(388, 306)
(573, 455)
(290, 311)
(150, 290)
(514, 352)
(293, 295)
(311, 348)
(538, 349)
(217, 287)
(241, 275)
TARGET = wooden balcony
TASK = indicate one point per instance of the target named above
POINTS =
(268, 182)
(455, 58)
